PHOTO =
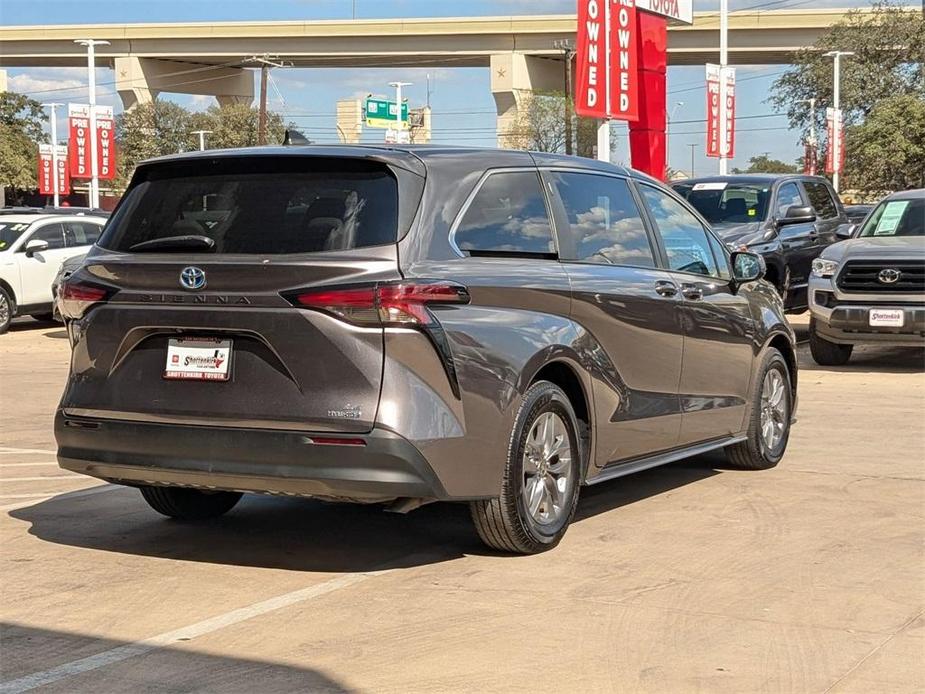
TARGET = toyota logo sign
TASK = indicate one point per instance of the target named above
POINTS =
(192, 278)
(889, 275)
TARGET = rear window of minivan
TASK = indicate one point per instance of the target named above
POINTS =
(260, 205)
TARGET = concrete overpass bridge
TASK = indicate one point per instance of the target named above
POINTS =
(211, 58)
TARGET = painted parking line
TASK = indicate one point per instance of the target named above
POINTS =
(187, 633)
(40, 479)
(36, 464)
(61, 496)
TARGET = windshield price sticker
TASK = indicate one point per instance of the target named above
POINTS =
(713, 185)
(892, 214)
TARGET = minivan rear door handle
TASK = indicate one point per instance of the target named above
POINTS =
(691, 291)
(666, 288)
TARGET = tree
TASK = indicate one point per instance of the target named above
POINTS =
(235, 125)
(21, 131)
(150, 130)
(764, 164)
(887, 151)
(540, 125)
(889, 60)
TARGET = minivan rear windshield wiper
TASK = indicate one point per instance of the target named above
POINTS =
(175, 242)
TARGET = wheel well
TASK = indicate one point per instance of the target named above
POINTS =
(9, 290)
(772, 275)
(565, 377)
(782, 344)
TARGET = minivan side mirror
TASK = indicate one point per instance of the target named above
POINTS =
(747, 267)
(34, 246)
(797, 214)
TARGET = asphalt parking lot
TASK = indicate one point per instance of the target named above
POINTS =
(691, 578)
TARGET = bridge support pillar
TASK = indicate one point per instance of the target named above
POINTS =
(514, 79)
(140, 80)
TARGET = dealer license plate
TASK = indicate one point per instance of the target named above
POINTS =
(886, 318)
(198, 359)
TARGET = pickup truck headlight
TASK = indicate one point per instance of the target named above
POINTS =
(824, 268)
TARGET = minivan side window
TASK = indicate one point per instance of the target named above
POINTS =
(604, 222)
(821, 199)
(682, 234)
(507, 215)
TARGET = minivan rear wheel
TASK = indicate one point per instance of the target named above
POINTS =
(539, 491)
(189, 504)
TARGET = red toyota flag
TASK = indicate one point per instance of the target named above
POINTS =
(606, 78)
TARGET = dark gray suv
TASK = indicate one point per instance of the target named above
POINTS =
(409, 324)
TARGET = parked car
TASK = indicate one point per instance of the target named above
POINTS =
(787, 218)
(857, 213)
(871, 288)
(68, 267)
(407, 324)
(32, 248)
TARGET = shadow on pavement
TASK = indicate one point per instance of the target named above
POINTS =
(28, 650)
(308, 535)
(872, 359)
(27, 323)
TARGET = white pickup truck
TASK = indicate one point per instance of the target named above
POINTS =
(32, 248)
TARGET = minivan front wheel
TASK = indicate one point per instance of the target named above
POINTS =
(189, 504)
(539, 490)
(769, 425)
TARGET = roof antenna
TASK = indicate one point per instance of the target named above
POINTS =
(294, 137)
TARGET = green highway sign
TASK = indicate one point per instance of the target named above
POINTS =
(381, 113)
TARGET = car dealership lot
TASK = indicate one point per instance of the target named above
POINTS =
(808, 577)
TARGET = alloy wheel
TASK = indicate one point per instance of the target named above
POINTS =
(773, 409)
(547, 469)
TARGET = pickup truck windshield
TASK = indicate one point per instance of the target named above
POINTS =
(726, 203)
(896, 218)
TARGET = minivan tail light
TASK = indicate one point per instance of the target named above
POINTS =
(390, 304)
(75, 298)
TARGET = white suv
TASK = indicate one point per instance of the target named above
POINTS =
(32, 248)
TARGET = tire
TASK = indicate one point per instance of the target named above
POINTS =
(6, 311)
(189, 504)
(507, 523)
(755, 453)
(827, 353)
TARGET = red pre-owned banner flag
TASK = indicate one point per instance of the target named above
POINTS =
(78, 143)
(105, 144)
(729, 75)
(45, 173)
(715, 138)
(713, 106)
(606, 81)
(835, 154)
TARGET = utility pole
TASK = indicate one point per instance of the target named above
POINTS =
(812, 136)
(723, 60)
(266, 62)
(91, 88)
(568, 51)
(54, 148)
(202, 138)
(837, 125)
(692, 145)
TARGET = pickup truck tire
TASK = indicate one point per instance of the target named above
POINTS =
(772, 405)
(827, 353)
(6, 311)
(189, 504)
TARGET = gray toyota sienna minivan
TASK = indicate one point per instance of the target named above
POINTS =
(406, 324)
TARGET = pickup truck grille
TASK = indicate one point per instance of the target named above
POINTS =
(864, 276)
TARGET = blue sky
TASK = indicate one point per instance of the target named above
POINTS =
(463, 107)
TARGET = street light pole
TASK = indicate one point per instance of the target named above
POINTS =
(677, 105)
(837, 125)
(202, 138)
(568, 52)
(54, 149)
(692, 145)
(91, 88)
(723, 59)
(398, 86)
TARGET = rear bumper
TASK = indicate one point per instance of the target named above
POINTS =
(247, 460)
